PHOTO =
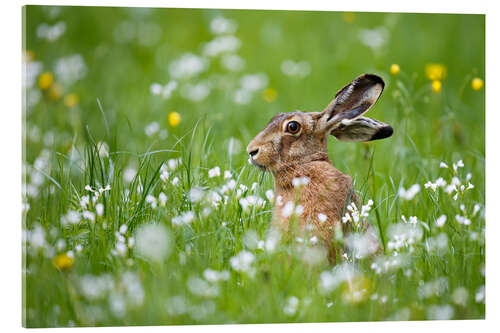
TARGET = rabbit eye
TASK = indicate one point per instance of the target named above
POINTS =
(293, 127)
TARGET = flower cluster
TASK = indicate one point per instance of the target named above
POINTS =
(354, 216)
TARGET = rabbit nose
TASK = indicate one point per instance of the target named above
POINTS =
(254, 152)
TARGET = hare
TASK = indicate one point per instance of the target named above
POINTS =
(293, 147)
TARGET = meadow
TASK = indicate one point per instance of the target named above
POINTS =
(139, 205)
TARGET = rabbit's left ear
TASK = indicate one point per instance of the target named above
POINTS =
(353, 100)
(362, 129)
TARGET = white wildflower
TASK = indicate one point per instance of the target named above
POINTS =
(70, 69)
(184, 218)
(221, 44)
(438, 243)
(403, 235)
(270, 195)
(455, 181)
(254, 82)
(300, 181)
(123, 229)
(411, 220)
(251, 239)
(410, 193)
(295, 69)
(460, 296)
(476, 209)
(202, 288)
(164, 91)
(362, 244)
(153, 241)
(322, 217)
(440, 182)
(215, 172)
(121, 248)
(227, 174)
(433, 288)
(162, 198)
(175, 181)
(242, 96)
(187, 66)
(196, 194)
(462, 220)
(291, 305)
(443, 165)
(94, 287)
(129, 174)
(214, 276)
(299, 210)
(88, 215)
(431, 185)
(232, 62)
(287, 211)
(174, 163)
(450, 188)
(242, 262)
(459, 164)
(71, 217)
(440, 221)
(60, 244)
(272, 240)
(99, 208)
(365, 209)
(221, 25)
(374, 38)
(214, 198)
(196, 92)
(480, 294)
(436, 312)
(150, 199)
(152, 128)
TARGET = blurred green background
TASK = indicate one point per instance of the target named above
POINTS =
(204, 83)
(126, 50)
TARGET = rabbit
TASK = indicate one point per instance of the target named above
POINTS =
(293, 147)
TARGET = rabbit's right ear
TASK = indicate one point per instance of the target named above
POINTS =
(362, 129)
(353, 100)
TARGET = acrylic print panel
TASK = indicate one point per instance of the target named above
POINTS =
(140, 206)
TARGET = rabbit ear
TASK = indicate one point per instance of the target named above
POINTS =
(353, 100)
(362, 129)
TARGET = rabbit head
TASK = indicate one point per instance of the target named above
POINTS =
(298, 137)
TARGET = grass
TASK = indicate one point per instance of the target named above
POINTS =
(79, 272)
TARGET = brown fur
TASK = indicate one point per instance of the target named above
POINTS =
(304, 154)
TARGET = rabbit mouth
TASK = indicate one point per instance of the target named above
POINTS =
(252, 161)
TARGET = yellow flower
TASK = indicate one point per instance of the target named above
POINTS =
(45, 80)
(71, 100)
(477, 83)
(62, 261)
(270, 95)
(435, 72)
(348, 17)
(55, 91)
(436, 86)
(174, 118)
(356, 290)
(394, 69)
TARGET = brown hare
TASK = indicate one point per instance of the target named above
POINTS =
(293, 147)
